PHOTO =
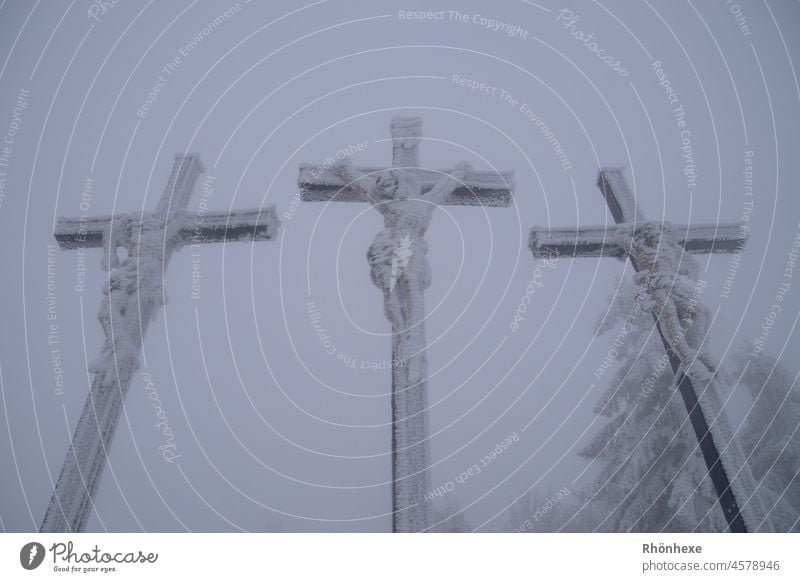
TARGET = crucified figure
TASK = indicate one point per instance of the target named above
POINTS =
(397, 256)
(406, 196)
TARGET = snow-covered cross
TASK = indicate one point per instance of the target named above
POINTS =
(658, 254)
(134, 293)
(406, 195)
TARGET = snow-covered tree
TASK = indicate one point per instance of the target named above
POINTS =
(770, 436)
(653, 476)
(556, 511)
(448, 518)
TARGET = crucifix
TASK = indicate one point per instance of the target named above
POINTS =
(134, 293)
(406, 196)
(659, 254)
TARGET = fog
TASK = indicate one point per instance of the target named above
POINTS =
(273, 432)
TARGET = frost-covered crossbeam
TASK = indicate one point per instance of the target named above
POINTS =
(212, 227)
(606, 241)
(482, 188)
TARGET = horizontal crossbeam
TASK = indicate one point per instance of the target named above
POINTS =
(604, 241)
(319, 184)
(210, 227)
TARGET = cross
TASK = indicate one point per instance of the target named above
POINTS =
(656, 251)
(133, 295)
(406, 196)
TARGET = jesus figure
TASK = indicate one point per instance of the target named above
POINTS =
(397, 256)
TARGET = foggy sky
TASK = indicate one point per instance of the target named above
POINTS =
(273, 432)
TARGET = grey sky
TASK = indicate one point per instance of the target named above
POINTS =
(273, 432)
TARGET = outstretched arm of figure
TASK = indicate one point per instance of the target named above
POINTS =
(355, 180)
(444, 187)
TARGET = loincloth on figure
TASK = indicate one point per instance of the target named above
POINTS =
(398, 255)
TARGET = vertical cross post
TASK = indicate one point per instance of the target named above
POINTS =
(410, 431)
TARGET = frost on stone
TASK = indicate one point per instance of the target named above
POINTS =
(134, 287)
(234, 226)
(615, 240)
(407, 213)
(399, 268)
(619, 197)
(593, 241)
(668, 274)
(135, 249)
(479, 188)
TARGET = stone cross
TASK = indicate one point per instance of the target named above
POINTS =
(134, 293)
(659, 253)
(406, 196)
